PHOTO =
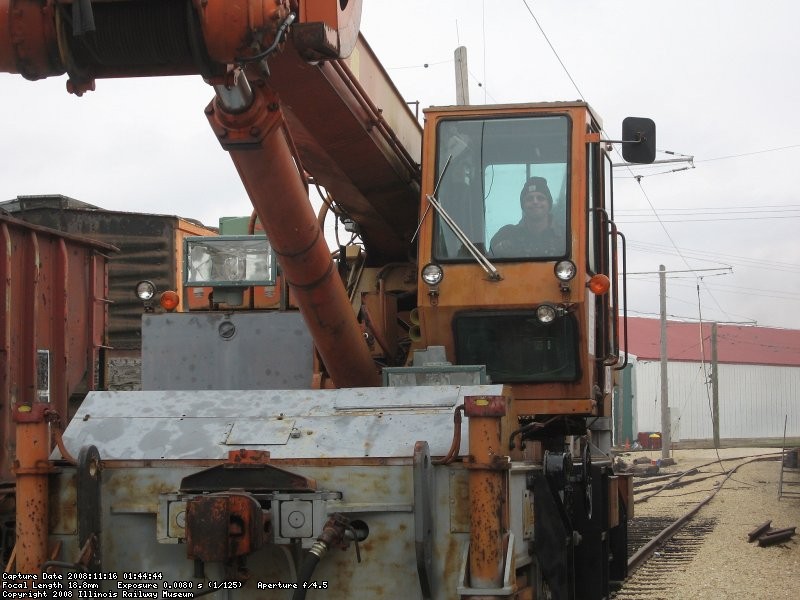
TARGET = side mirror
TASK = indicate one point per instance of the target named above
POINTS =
(638, 140)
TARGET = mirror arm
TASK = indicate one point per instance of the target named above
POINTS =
(688, 159)
(639, 139)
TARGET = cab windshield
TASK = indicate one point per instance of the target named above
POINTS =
(505, 184)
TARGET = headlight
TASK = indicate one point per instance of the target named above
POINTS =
(228, 261)
(145, 290)
(432, 274)
(565, 270)
(233, 268)
(546, 313)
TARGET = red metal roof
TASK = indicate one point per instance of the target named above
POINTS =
(735, 343)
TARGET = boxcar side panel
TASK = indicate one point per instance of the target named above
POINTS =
(53, 322)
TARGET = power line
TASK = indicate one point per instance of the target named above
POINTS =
(421, 66)
(726, 208)
(743, 154)
(483, 32)
(675, 246)
(561, 62)
(711, 211)
(715, 219)
(738, 290)
(704, 255)
(680, 271)
(481, 85)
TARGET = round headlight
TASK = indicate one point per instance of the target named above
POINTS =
(565, 270)
(432, 274)
(546, 313)
(145, 290)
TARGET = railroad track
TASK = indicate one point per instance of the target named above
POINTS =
(661, 545)
(651, 580)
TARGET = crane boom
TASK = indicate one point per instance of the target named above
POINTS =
(300, 118)
(355, 133)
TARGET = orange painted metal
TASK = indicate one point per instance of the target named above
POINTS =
(466, 287)
(343, 18)
(28, 39)
(260, 147)
(488, 490)
(529, 407)
(358, 138)
(233, 29)
(37, 41)
(31, 468)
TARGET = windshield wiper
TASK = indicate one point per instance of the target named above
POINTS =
(485, 263)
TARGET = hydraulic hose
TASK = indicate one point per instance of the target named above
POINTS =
(304, 576)
(333, 534)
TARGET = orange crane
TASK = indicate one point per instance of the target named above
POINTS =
(488, 263)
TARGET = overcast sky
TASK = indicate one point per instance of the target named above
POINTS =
(718, 77)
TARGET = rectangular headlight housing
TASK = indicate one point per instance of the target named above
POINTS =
(228, 261)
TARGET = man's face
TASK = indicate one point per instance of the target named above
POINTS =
(535, 205)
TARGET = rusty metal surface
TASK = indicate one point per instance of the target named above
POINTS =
(149, 248)
(222, 527)
(357, 443)
(375, 422)
(488, 489)
(380, 496)
(31, 470)
(52, 321)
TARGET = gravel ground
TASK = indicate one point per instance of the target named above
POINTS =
(726, 565)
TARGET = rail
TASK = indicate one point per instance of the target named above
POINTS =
(638, 558)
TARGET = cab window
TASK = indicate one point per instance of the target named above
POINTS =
(505, 183)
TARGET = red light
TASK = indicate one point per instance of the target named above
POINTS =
(169, 300)
(599, 284)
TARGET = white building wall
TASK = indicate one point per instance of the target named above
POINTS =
(754, 400)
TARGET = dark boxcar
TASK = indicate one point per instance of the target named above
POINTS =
(53, 323)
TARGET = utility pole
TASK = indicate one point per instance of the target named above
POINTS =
(665, 424)
(462, 76)
(714, 385)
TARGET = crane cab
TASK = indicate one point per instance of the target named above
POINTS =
(517, 251)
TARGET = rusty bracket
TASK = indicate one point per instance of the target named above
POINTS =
(222, 527)
(246, 130)
(497, 463)
(485, 406)
(248, 457)
(34, 412)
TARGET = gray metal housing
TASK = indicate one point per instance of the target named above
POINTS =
(226, 351)
(359, 443)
